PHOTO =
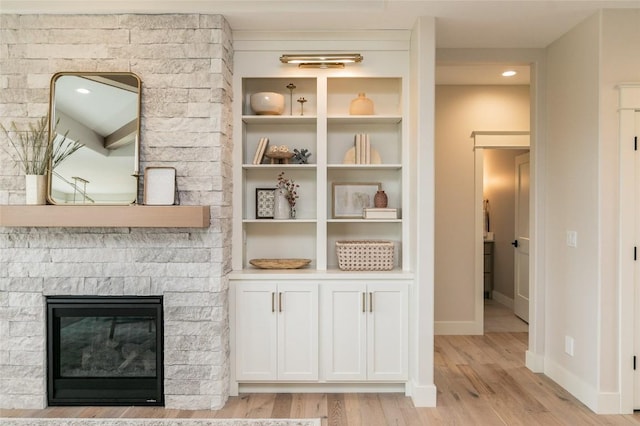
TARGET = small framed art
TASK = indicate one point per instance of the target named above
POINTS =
(159, 186)
(265, 203)
(350, 199)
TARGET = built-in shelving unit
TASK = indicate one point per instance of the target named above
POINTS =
(320, 328)
(327, 130)
(132, 216)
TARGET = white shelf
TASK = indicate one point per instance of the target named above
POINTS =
(279, 166)
(328, 133)
(278, 119)
(364, 119)
(328, 274)
(278, 221)
(365, 166)
(364, 220)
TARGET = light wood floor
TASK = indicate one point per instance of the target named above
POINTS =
(499, 318)
(481, 380)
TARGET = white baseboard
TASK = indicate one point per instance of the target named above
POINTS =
(423, 395)
(323, 387)
(598, 402)
(502, 299)
(458, 328)
(534, 362)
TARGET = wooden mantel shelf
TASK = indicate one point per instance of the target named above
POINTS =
(134, 216)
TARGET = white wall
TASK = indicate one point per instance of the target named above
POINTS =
(620, 62)
(572, 194)
(459, 111)
(582, 180)
(422, 181)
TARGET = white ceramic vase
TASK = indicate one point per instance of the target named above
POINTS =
(281, 209)
(35, 189)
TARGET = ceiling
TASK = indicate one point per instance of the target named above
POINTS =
(459, 24)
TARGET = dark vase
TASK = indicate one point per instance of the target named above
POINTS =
(380, 199)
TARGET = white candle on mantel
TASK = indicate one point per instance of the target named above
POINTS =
(136, 158)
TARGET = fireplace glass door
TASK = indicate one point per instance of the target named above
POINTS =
(104, 350)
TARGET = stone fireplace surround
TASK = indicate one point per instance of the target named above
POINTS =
(185, 63)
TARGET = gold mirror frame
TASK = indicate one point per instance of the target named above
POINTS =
(100, 110)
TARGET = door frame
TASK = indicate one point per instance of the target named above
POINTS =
(481, 141)
(629, 105)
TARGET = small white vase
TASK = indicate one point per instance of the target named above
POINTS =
(281, 209)
(35, 189)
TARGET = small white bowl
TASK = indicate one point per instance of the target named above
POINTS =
(267, 103)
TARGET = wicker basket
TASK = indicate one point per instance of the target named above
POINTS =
(368, 255)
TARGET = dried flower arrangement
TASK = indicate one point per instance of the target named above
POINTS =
(33, 149)
(290, 187)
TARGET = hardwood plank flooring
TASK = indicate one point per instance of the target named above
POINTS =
(481, 380)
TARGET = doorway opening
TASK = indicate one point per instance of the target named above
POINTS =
(505, 237)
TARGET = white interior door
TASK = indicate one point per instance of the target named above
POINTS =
(521, 243)
(636, 344)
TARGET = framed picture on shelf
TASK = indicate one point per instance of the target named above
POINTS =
(160, 186)
(349, 199)
(265, 203)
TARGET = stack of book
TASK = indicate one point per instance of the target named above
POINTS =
(363, 148)
(261, 148)
(379, 213)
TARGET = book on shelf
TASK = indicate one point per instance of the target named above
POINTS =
(362, 148)
(260, 150)
(379, 213)
(367, 149)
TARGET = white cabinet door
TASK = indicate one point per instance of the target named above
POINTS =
(344, 331)
(297, 331)
(365, 331)
(276, 331)
(387, 332)
(256, 331)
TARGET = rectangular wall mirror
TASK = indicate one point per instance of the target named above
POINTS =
(102, 112)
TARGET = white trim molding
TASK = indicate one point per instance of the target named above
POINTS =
(500, 139)
(459, 328)
(629, 104)
(598, 402)
(422, 395)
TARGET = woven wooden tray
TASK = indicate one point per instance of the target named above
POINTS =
(279, 263)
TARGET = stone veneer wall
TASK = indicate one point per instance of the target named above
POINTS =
(185, 63)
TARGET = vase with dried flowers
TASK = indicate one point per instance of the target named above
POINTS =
(289, 189)
(38, 153)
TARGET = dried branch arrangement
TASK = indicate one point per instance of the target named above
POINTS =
(34, 150)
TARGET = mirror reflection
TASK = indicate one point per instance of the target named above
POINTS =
(102, 112)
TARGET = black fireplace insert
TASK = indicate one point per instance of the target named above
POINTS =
(104, 350)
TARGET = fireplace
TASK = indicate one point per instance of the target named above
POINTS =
(104, 350)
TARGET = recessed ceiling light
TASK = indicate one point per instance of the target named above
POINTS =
(83, 91)
(509, 73)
